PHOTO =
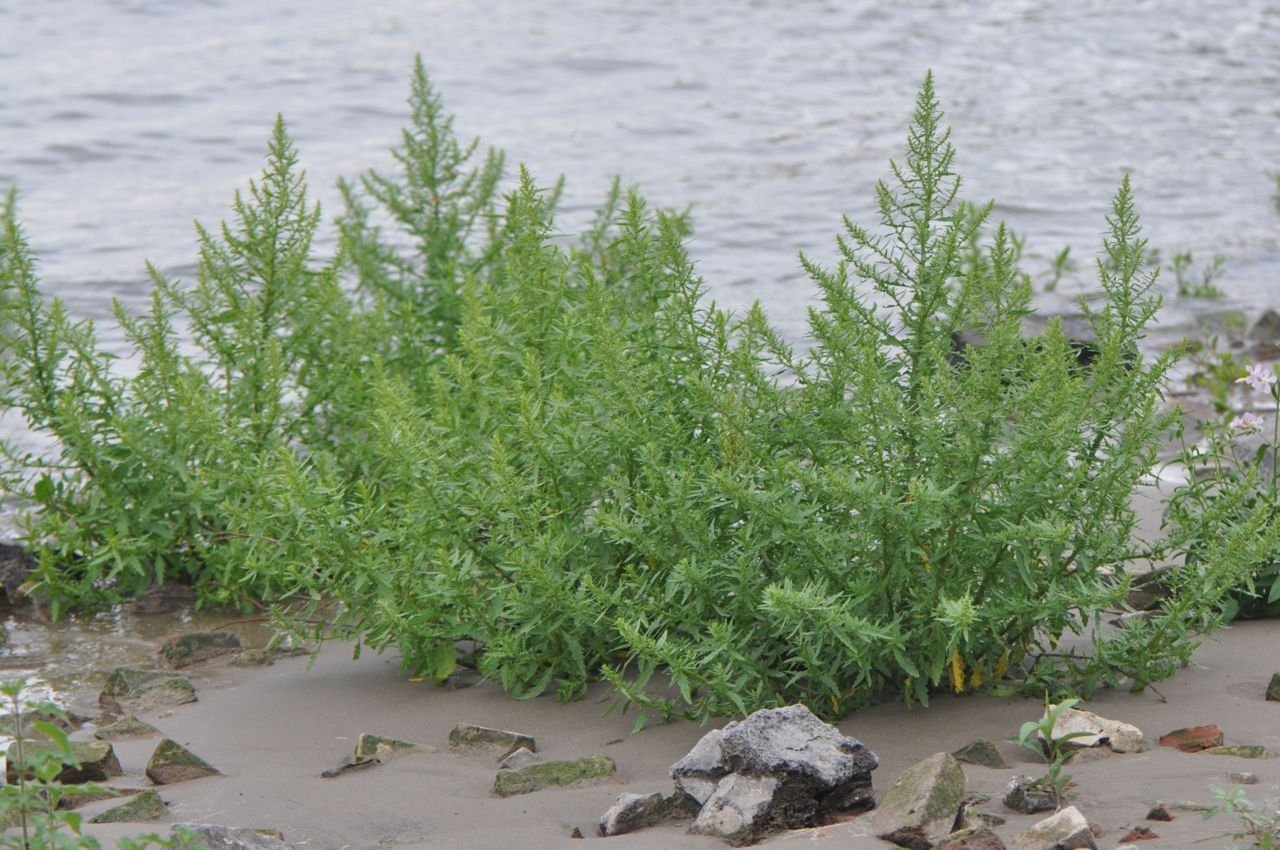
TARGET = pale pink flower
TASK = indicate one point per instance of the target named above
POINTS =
(1247, 423)
(1259, 378)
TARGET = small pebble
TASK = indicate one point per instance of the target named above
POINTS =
(1243, 777)
(1159, 813)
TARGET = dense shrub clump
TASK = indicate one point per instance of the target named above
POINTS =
(556, 461)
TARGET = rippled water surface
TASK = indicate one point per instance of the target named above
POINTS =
(122, 122)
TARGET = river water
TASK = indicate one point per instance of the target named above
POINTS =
(122, 121)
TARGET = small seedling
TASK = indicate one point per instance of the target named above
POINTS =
(1037, 735)
(1259, 825)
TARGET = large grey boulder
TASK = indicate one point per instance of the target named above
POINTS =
(739, 810)
(699, 772)
(923, 805)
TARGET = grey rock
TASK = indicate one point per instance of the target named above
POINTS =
(1267, 327)
(739, 809)
(634, 811)
(137, 691)
(698, 773)
(231, 838)
(1027, 798)
(1273, 688)
(1067, 830)
(1242, 777)
(372, 750)
(183, 650)
(982, 752)
(466, 736)
(522, 757)
(923, 805)
(1118, 736)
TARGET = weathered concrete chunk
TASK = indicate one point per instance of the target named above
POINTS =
(1067, 830)
(535, 777)
(1193, 739)
(1118, 736)
(634, 811)
(699, 772)
(126, 727)
(131, 689)
(982, 752)
(1025, 797)
(922, 805)
(193, 647)
(522, 757)
(466, 736)
(146, 806)
(1244, 751)
(738, 811)
(972, 839)
(372, 750)
(171, 762)
(97, 760)
(230, 838)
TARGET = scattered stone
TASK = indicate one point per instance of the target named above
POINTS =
(1244, 751)
(975, 819)
(193, 647)
(922, 805)
(1139, 833)
(97, 760)
(145, 806)
(1188, 806)
(1067, 830)
(983, 753)
(267, 655)
(699, 772)
(535, 777)
(1159, 812)
(373, 750)
(137, 691)
(1242, 777)
(1267, 328)
(230, 838)
(76, 799)
(465, 736)
(1119, 737)
(576, 833)
(16, 565)
(1273, 688)
(972, 839)
(164, 599)
(738, 810)
(634, 811)
(126, 727)
(171, 762)
(522, 757)
(1193, 738)
(1025, 797)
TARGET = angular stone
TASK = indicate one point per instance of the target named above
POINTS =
(922, 805)
(535, 777)
(1244, 751)
(972, 839)
(171, 762)
(1267, 328)
(266, 656)
(634, 811)
(982, 752)
(131, 689)
(1193, 738)
(1273, 688)
(738, 811)
(1159, 812)
(1067, 830)
(146, 806)
(193, 647)
(126, 727)
(76, 799)
(373, 750)
(1140, 833)
(1118, 736)
(164, 599)
(699, 772)
(1242, 777)
(230, 838)
(522, 757)
(466, 736)
(97, 760)
(1027, 798)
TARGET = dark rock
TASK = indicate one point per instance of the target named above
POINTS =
(97, 760)
(922, 805)
(1193, 739)
(193, 647)
(972, 839)
(465, 736)
(16, 565)
(1159, 812)
(1244, 751)
(146, 806)
(738, 810)
(1139, 833)
(171, 762)
(522, 757)
(1242, 777)
(164, 599)
(266, 656)
(214, 837)
(1067, 830)
(509, 783)
(130, 689)
(1273, 688)
(126, 727)
(1267, 328)
(983, 753)
(1027, 798)
(576, 833)
(634, 811)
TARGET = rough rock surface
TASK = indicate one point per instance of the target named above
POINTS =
(126, 727)
(131, 689)
(522, 757)
(373, 750)
(1242, 777)
(163, 599)
(97, 759)
(146, 806)
(1120, 737)
(230, 838)
(1273, 688)
(1025, 797)
(1267, 328)
(922, 805)
(508, 783)
(982, 752)
(635, 811)
(738, 811)
(1244, 751)
(972, 839)
(1159, 812)
(1067, 830)
(171, 762)
(1193, 739)
(699, 772)
(193, 647)
(466, 736)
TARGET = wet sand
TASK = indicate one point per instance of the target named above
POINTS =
(272, 731)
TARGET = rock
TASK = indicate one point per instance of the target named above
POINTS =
(97, 760)
(230, 838)
(1118, 736)
(16, 566)
(1273, 688)
(171, 762)
(699, 772)
(508, 783)
(1139, 833)
(1067, 830)
(1026, 798)
(76, 799)
(972, 839)
(266, 656)
(126, 727)
(634, 811)
(522, 757)
(1188, 806)
(131, 689)
(1244, 751)
(465, 736)
(164, 599)
(1242, 777)
(1267, 328)
(1159, 812)
(373, 750)
(1193, 738)
(145, 806)
(921, 807)
(982, 752)
(738, 810)
(193, 647)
